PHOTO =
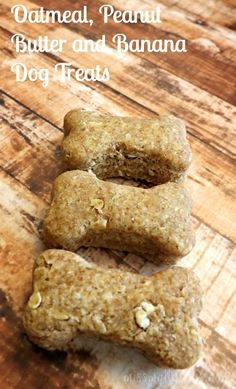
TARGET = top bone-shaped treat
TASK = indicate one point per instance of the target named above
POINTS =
(154, 150)
(75, 302)
(86, 211)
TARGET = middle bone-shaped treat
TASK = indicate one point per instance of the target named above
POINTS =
(86, 211)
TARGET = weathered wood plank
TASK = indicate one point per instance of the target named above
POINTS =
(201, 67)
(27, 138)
(218, 11)
(20, 214)
(216, 372)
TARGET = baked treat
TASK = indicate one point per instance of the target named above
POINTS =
(75, 303)
(154, 150)
(86, 211)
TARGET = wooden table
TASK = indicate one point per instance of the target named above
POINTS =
(199, 87)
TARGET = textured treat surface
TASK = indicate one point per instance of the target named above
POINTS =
(75, 303)
(155, 150)
(86, 211)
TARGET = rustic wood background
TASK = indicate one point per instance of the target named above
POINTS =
(200, 88)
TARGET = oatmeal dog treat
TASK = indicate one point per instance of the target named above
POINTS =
(155, 150)
(86, 211)
(75, 303)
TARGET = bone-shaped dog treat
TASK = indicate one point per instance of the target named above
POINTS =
(75, 302)
(155, 150)
(86, 211)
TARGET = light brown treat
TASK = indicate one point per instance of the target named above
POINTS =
(75, 302)
(86, 211)
(155, 150)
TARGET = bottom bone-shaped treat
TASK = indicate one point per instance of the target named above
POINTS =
(75, 302)
(86, 211)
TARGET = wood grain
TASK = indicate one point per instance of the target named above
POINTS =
(198, 87)
(221, 12)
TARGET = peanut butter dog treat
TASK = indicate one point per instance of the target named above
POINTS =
(86, 211)
(75, 302)
(155, 150)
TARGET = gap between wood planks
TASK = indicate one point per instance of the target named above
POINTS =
(198, 67)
